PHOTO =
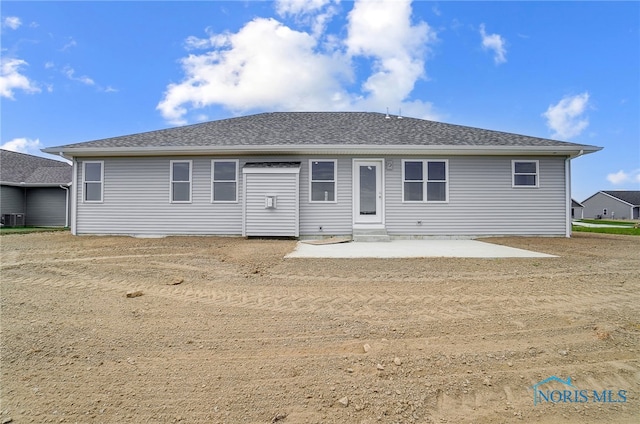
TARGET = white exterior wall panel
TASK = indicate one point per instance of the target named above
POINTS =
(281, 220)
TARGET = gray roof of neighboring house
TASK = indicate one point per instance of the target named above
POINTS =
(576, 204)
(356, 129)
(629, 196)
(18, 168)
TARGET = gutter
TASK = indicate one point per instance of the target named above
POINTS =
(571, 151)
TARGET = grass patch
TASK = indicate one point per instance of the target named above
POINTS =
(605, 222)
(608, 230)
(27, 230)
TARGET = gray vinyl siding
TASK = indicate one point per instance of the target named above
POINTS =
(11, 199)
(481, 201)
(282, 220)
(577, 212)
(334, 218)
(596, 204)
(46, 207)
(136, 199)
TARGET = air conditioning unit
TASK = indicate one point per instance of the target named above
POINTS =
(13, 219)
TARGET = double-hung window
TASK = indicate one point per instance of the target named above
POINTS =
(425, 180)
(525, 173)
(92, 177)
(323, 180)
(224, 181)
(181, 181)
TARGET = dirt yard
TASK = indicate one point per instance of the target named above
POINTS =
(228, 331)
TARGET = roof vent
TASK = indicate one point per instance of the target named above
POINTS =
(399, 113)
(387, 115)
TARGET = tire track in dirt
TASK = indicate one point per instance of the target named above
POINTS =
(345, 303)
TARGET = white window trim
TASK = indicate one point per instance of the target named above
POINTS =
(425, 180)
(213, 181)
(513, 173)
(335, 180)
(84, 181)
(190, 162)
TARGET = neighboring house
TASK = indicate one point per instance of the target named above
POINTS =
(34, 191)
(577, 210)
(313, 174)
(615, 204)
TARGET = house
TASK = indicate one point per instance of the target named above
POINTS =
(315, 174)
(34, 191)
(577, 210)
(613, 204)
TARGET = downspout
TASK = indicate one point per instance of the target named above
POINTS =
(74, 198)
(567, 190)
(66, 204)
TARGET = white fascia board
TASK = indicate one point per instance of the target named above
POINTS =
(30, 185)
(571, 151)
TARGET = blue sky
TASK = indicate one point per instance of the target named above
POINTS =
(81, 70)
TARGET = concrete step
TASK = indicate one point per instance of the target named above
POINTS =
(371, 236)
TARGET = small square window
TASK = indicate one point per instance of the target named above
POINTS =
(525, 173)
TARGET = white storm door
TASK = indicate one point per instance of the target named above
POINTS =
(367, 191)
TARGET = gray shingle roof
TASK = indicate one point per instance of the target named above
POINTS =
(22, 168)
(318, 128)
(576, 204)
(629, 196)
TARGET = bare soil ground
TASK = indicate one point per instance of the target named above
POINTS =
(228, 331)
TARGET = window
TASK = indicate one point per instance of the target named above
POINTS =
(180, 181)
(425, 180)
(92, 178)
(525, 173)
(224, 181)
(323, 180)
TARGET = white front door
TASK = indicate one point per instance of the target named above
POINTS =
(367, 191)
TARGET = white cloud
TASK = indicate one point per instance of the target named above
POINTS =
(298, 7)
(70, 73)
(267, 65)
(71, 43)
(23, 145)
(622, 177)
(264, 65)
(12, 22)
(566, 118)
(11, 79)
(313, 13)
(382, 30)
(496, 43)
